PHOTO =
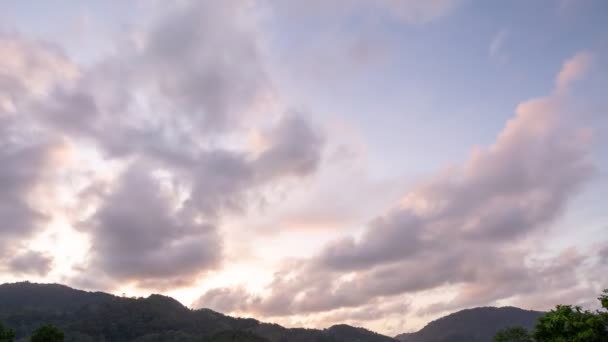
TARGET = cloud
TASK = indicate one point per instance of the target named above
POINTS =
(408, 11)
(501, 192)
(29, 68)
(139, 236)
(22, 168)
(417, 12)
(224, 300)
(31, 262)
(144, 232)
(573, 70)
(29, 71)
(467, 226)
(603, 254)
(187, 77)
(203, 58)
(166, 116)
(294, 149)
(497, 44)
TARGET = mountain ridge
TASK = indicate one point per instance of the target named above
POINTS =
(488, 319)
(98, 316)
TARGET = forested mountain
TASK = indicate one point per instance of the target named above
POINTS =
(95, 316)
(473, 325)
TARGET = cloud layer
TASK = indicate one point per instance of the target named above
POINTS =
(169, 112)
(470, 226)
(237, 153)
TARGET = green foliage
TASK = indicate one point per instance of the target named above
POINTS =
(566, 323)
(515, 334)
(603, 298)
(47, 333)
(6, 334)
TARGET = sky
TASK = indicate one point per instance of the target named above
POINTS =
(378, 163)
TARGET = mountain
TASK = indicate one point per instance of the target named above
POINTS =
(473, 325)
(96, 316)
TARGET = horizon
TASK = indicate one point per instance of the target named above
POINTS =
(372, 163)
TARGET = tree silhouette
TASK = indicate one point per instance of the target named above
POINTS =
(6, 334)
(47, 333)
(514, 334)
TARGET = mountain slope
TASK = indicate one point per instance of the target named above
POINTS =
(473, 325)
(95, 316)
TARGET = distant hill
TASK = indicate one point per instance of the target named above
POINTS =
(96, 316)
(473, 325)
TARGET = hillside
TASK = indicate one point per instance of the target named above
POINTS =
(473, 325)
(95, 316)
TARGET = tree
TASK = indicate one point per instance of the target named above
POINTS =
(568, 323)
(565, 323)
(514, 334)
(603, 298)
(47, 333)
(6, 334)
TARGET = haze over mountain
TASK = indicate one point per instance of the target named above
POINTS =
(96, 316)
(375, 163)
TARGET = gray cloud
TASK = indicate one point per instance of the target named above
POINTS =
(24, 167)
(138, 234)
(28, 70)
(295, 149)
(500, 194)
(143, 234)
(225, 300)
(165, 104)
(461, 227)
(204, 58)
(186, 83)
(21, 169)
(408, 11)
(30, 262)
(603, 254)
(185, 78)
